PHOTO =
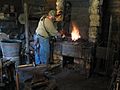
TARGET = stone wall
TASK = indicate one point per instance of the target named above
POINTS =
(80, 15)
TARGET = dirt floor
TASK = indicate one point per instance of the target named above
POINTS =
(69, 79)
(72, 80)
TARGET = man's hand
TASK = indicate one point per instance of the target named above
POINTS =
(62, 32)
(58, 35)
(63, 36)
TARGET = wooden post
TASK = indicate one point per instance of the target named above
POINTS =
(17, 81)
(26, 30)
(108, 46)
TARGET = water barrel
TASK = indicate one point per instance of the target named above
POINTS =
(3, 36)
(11, 50)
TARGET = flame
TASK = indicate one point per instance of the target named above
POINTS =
(75, 32)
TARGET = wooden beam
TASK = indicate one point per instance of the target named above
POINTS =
(26, 30)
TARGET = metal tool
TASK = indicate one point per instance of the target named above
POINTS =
(1, 74)
(114, 84)
(118, 79)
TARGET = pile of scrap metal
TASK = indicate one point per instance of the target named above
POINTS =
(7, 71)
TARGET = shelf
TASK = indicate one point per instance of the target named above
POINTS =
(8, 16)
(7, 20)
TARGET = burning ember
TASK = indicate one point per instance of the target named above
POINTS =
(75, 32)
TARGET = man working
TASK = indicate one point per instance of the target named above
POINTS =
(44, 30)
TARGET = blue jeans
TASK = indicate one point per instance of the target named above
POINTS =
(43, 52)
(36, 49)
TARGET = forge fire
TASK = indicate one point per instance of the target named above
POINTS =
(75, 34)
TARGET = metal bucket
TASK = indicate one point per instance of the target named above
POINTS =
(11, 50)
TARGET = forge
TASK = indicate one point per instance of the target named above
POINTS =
(79, 49)
(74, 45)
(74, 49)
(77, 52)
